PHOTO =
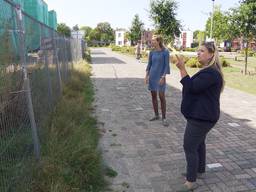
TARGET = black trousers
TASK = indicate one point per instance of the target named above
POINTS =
(194, 147)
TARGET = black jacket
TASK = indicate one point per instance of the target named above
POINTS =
(201, 95)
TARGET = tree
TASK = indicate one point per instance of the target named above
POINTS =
(243, 21)
(163, 13)
(105, 32)
(195, 33)
(63, 29)
(87, 30)
(247, 1)
(199, 36)
(136, 29)
(94, 35)
(75, 28)
(220, 26)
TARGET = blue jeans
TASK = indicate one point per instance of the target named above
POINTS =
(194, 147)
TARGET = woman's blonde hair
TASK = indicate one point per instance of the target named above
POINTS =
(215, 60)
(160, 40)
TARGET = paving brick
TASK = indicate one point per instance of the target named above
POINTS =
(150, 157)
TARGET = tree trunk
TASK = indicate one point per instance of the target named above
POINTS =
(246, 57)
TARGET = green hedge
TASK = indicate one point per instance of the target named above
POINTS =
(194, 63)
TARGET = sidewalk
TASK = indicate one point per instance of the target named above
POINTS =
(149, 157)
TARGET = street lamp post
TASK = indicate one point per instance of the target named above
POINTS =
(212, 19)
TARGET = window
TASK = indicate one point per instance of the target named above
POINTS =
(119, 34)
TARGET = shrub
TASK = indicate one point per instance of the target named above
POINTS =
(116, 48)
(87, 55)
(194, 45)
(127, 49)
(191, 49)
(250, 52)
(193, 63)
(173, 58)
(224, 62)
(145, 54)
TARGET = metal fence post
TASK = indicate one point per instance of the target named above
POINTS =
(46, 46)
(55, 55)
(65, 60)
(26, 82)
(49, 80)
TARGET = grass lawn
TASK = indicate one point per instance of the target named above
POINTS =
(240, 63)
(233, 78)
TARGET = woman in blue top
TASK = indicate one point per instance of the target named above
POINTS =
(158, 67)
(201, 107)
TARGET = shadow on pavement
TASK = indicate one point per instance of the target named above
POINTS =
(98, 53)
(106, 60)
(155, 153)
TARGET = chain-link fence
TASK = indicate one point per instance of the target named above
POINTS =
(34, 63)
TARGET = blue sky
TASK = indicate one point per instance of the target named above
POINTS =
(119, 13)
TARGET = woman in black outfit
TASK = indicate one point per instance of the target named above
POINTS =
(201, 108)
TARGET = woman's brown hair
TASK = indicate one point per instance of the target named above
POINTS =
(160, 40)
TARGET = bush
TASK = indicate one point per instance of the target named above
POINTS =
(193, 63)
(194, 45)
(191, 49)
(124, 49)
(251, 53)
(173, 58)
(116, 48)
(224, 62)
(87, 55)
(128, 49)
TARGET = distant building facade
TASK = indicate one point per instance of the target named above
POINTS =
(146, 37)
(77, 34)
(120, 37)
(237, 44)
(184, 40)
(121, 40)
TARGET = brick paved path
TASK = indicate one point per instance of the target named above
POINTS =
(149, 157)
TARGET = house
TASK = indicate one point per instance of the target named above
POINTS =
(146, 37)
(237, 44)
(121, 40)
(77, 34)
(184, 40)
(120, 37)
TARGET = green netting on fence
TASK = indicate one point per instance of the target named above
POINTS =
(5, 13)
(32, 37)
(45, 13)
(34, 8)
(52, 19)
(20, 2)
(8, 35)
